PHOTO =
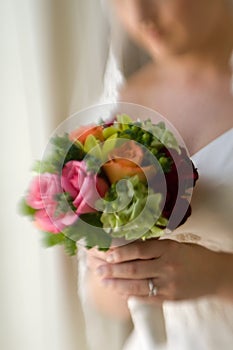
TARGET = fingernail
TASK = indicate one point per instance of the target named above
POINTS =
(110, 258)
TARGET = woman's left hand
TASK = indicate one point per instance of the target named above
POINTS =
(177, 270)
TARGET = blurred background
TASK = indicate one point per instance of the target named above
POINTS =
(52, 57)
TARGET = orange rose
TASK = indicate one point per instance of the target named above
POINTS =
(81, 133)
(125, 162)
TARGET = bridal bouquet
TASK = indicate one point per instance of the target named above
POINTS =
(120, 180)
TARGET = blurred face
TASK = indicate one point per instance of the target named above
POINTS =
(172, 26)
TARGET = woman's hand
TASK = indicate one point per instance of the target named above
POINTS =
(95, 258)
(178, 271)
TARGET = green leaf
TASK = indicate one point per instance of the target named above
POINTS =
(108, 146)
(45, 166)
(93, 164)
(25, 209)
(63, 150)
(154, 232)
(161, 136)
(108, 132)
(64, 203)
(162, 221)
(75, 152)
(51, 239)
(70, 246)
(78, 144)
(90, 143)
(169, 140)
(124, 119)
(89, 227)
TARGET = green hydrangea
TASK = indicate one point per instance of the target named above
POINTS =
(132, 211)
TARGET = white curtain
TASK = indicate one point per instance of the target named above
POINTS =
(52, 59)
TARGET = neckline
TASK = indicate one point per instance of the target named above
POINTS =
(211, 142)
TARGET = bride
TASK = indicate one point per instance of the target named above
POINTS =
(188, 274)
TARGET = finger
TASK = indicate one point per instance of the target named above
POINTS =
(149, 249)
(128, 287)
(94, 263)
(96, 253)
(137, 269)
(155, 300)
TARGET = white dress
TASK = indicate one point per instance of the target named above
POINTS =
(204, 324)
(207, 323)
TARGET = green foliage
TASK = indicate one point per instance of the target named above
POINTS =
(51, 239)
(124, 121)
(70, 246)
(93, 164)
(74, 153)
(131, 210)
(89, 228)
(25, 209)
(154, 137)
(92, 146)
(64, 204)
(160, 135)
(166, 163)
(110, 131)
(63, 151)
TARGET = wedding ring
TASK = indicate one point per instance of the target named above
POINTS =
(152, 289)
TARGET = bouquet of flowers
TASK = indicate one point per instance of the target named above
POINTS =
(120, 180)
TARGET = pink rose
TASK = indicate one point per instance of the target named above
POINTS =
(85, 188)
(42, 190)
(46, 220)
(41, 196)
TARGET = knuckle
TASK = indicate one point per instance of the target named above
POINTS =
(170, 269)
(139, 251)
(173, 291)
(131, 268)
(119, 255)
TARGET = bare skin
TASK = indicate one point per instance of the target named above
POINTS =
(180, 271)
(199, 98)
(188, 82)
